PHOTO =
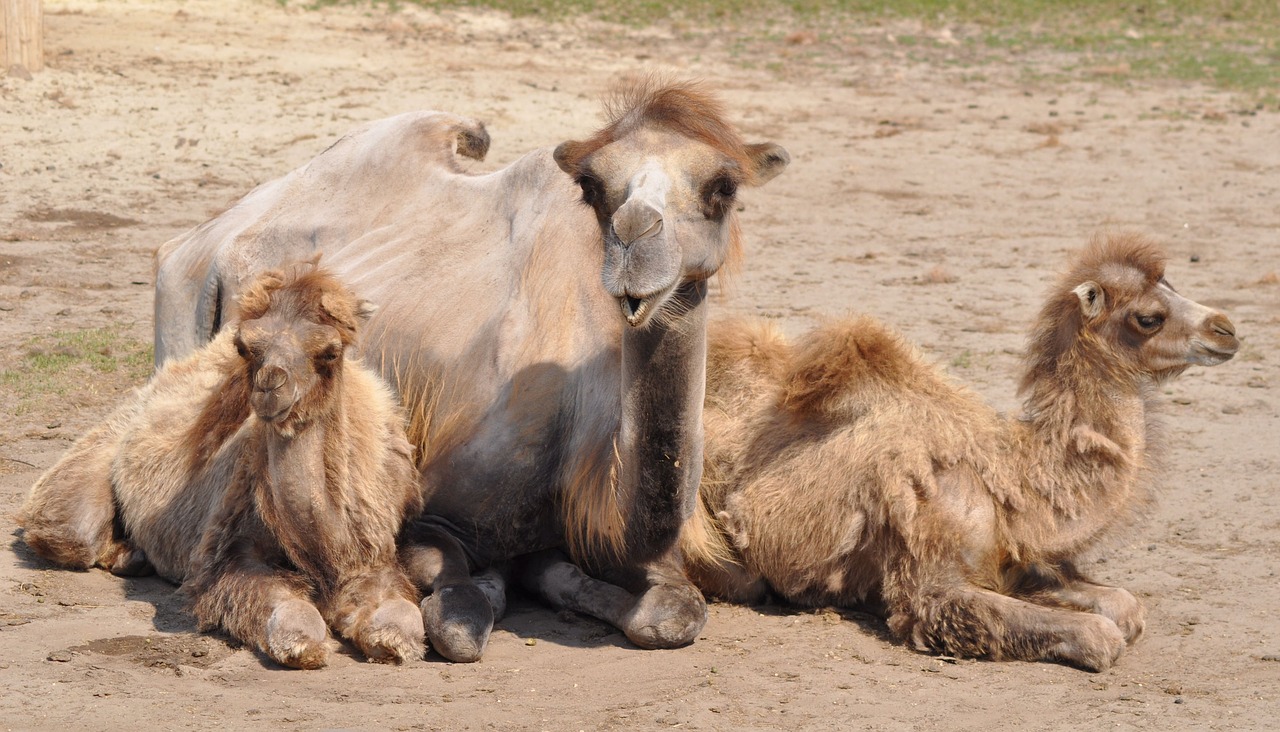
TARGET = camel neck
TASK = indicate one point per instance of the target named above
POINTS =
(296, 493)
(660, 438)
(1080, 393)
(1083, 447)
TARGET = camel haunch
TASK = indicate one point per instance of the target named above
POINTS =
(266, 472)
(845, 470)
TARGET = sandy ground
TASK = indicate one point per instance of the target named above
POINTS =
(937, 194)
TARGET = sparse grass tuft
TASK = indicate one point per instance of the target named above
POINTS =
(56, 364)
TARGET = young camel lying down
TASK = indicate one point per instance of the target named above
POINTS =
(845, 470)
(267, 473)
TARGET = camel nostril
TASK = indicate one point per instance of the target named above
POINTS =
(269, 378)
(652, 230)
(1223, 327)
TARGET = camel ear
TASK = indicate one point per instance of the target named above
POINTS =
(1092, 299)
(569, 154)
(343, 310)
(768, 160)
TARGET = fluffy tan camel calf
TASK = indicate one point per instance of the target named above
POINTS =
(844, 470)
(267, 473)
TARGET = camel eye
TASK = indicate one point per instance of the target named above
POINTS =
(242, 349)
(718, 195)
(720, 190)
(592, 189)
(330, 354)
(1149, 322)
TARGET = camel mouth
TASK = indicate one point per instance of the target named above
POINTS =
(273, 411)
(634, 309)
(1207, 355)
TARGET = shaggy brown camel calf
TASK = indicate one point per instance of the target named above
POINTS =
(845, 470)
(267, 473)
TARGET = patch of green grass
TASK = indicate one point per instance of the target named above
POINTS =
(1230, 44)
(56, 364)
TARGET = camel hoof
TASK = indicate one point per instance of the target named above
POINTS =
(1095, 648)
(296, 634)
(494, 588)
(394, 633)
(458, 619)
(1125, 611)
(128, 561)
(666, 616)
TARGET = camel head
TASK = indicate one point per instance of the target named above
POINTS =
(1117, 300)
(295, 327)
(662, 178)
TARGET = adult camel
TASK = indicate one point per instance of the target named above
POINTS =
(545, 332)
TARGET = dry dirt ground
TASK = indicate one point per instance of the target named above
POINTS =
(938, 195)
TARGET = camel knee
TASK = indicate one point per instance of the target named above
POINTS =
(295, 635)
(60, 546)
(986, 625)
(458, 619)
(666, 616)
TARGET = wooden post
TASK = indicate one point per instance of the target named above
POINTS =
(21, 34)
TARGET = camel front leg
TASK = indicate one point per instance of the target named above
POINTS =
(263, 606)
(668, 612)
(969, 621)
(457, 612)
(377, 610)
(1065, 586)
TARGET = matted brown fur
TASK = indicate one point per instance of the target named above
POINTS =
(847, 470)
(277, 524)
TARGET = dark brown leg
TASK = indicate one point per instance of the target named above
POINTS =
(378, 611)
(666, 612)
(263, 606)
(966, 620)
(457, 613)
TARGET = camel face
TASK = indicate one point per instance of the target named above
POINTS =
(286, 361)
(664, 198)
(1158, 330)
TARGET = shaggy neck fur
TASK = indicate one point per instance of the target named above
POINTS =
(660, 438)
(1084, 448)
(304, 489)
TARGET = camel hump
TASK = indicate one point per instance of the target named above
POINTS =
(844, 356)
(739, 347)
(397, 149)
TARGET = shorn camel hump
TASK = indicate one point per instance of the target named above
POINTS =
(267, 472)
(844, 470)
(545, 327)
